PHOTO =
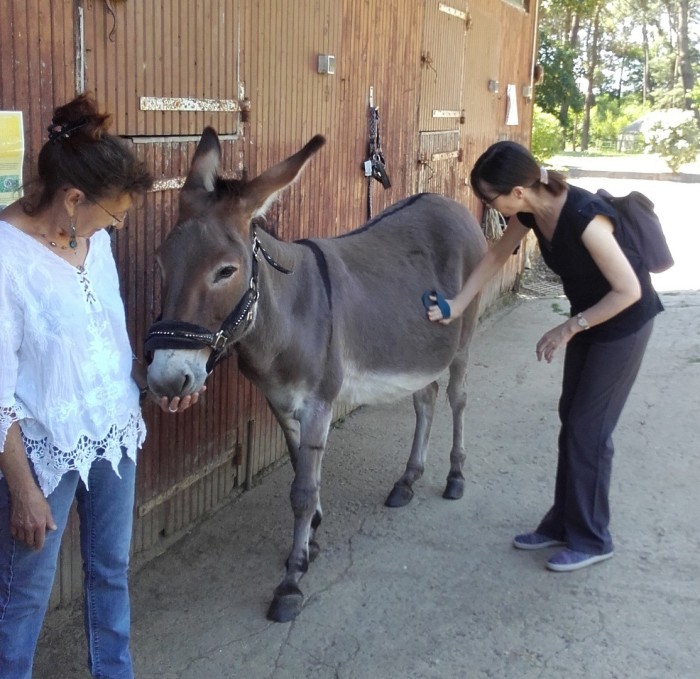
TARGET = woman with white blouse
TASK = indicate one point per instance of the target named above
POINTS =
(70, 420)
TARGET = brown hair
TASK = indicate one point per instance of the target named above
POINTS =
(507, 164)
(82, 154)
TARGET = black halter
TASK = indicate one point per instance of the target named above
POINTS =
(182, 335)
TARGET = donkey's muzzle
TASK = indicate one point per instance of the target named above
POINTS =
(181, 335)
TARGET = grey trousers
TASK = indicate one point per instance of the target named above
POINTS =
(598, 377)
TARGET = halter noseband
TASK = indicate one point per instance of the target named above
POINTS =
(183, 335)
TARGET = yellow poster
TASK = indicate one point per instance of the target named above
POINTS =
(11, 156)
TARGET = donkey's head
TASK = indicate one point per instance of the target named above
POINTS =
(208, 266)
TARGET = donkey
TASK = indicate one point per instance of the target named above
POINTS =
(314, 322)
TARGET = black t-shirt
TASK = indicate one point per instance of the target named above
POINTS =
(584, 284)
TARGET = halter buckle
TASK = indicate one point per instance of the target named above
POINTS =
(219, 341)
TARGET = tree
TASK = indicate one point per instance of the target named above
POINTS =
(591, 72)
(559, 84)
(684, 65)
(648, 49)
(644, 6)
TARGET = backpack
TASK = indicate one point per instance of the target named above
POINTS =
(640, 229)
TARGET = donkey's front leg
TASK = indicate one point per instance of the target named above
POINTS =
(305, 498)
(290, 428)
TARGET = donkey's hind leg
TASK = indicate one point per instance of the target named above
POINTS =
(457, 395)
(424, 405)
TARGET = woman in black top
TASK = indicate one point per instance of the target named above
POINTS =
(613, 305)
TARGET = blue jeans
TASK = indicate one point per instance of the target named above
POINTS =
(27, 575)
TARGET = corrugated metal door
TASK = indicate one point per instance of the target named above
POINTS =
(440, 111)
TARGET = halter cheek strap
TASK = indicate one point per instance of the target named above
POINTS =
(182, 335)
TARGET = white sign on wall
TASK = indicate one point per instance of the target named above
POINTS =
(512, 106)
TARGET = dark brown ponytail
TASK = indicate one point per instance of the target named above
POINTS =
(507, 164)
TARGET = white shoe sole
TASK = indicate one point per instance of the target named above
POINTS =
(539, 545)
(564, 568)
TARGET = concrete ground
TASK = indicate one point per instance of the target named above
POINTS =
(435, 590)
(640, 166)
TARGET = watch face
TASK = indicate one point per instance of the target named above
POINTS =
(583, 322)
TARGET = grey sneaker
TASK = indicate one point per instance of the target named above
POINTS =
(570, 560)
(535, 541)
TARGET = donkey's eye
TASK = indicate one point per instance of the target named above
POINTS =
(225, 272)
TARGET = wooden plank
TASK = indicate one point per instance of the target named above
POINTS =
(188, 104)
(61, 52)
(445, 155)
(21, 75)
(153, 61)
(7, 55)
(45, 67)
(169, 42)
(194, 478)
(452, 11)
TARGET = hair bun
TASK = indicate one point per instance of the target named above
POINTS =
(79, 114)
(58, 131)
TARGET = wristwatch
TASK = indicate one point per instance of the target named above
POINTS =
(582, 322)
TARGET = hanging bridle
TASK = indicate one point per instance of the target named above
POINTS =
(183, 335)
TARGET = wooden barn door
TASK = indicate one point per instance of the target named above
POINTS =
(441, 111)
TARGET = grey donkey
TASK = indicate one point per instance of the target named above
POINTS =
(314, 322)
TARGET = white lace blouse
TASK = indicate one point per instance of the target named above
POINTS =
(65, 358)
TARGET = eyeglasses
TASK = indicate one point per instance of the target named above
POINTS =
(489, 202)
(115, 220)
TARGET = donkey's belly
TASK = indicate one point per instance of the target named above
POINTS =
(365, 387)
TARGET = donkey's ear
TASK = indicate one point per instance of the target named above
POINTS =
(205, 164)
(258, 194)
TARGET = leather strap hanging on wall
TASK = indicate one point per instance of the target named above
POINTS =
(375, 166)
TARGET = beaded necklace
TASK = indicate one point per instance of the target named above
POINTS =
(72, 241)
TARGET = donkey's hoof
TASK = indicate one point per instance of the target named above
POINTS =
(454, 489)
(314, 550)
(286, 604)
(400, 496)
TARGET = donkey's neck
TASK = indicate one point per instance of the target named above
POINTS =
(293, 316)
(278, 294)
(282, 253)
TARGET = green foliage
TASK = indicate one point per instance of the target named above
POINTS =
(675, 137)
(610, 116)
(671, 97)
(638, 57)
(547, 135)
(559, 85)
